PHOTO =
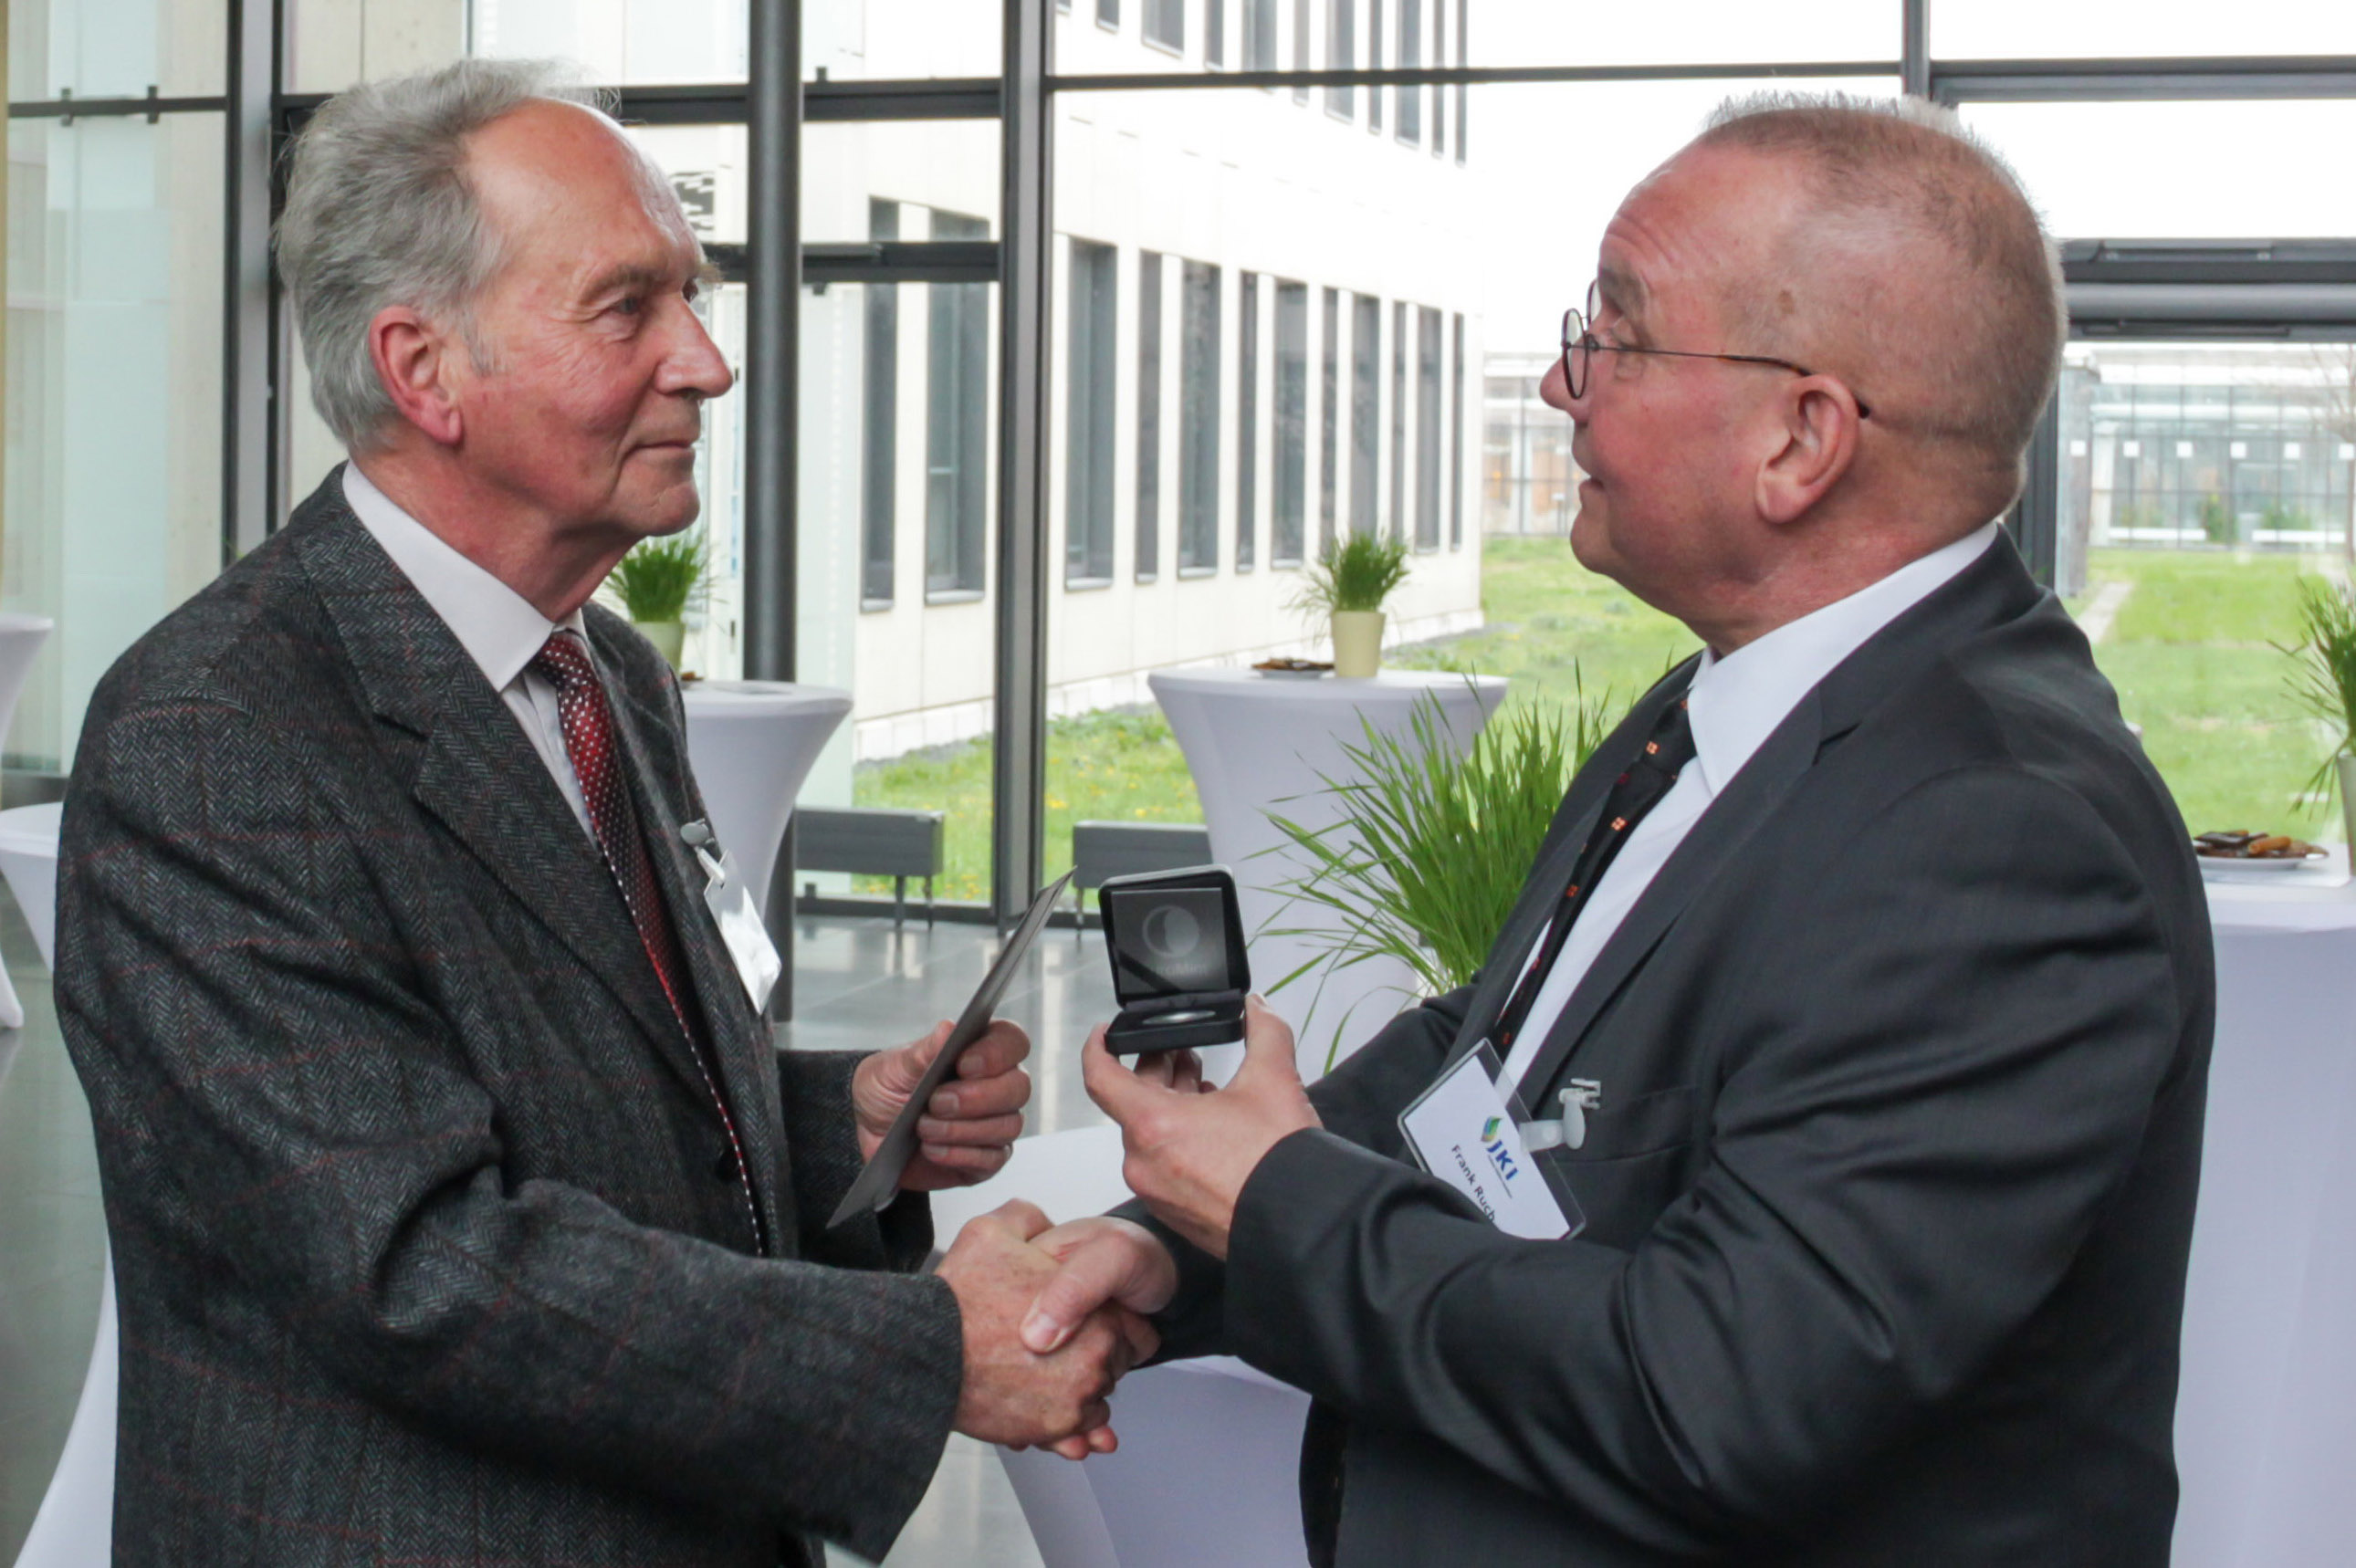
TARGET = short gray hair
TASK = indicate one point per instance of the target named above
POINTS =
(1908, 168)
(379, 212)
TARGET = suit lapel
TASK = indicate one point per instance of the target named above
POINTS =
(1994, 588)
(478, 774)
(740, 1043)
(1714, 841)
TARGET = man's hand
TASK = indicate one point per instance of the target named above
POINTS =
(1104, 1261)
(1189, 1151)
(1010, 1394)
(969, 1130)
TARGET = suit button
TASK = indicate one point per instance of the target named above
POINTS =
(725, 1167)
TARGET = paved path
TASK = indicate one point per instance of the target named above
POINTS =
(2104, 609)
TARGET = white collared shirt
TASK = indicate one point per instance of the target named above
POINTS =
(497, 626)
(1734, 703)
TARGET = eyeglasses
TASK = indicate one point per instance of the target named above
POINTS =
(1579, 345)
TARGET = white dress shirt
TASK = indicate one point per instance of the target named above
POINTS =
(1734, 703)
(497, 626)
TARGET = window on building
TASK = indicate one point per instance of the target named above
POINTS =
(1407, 107)
(1427, 428)
(1456, 434)
(1108, 12)
(879, 492)
(956, 425)
(1374, 62)
(1291, 477)
(1198, 420)
(1329, 424)
(1149, 415)
(1165, 23)
(1300, 46)
(1091, 403)
(1398, 421)
(1247, 421)
(1365, 411)
(1214, 32)
(1341, 54)
(1260, 34)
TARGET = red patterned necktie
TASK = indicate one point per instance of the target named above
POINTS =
(596, 754)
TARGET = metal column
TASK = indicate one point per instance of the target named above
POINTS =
(772, 371)
(247, 376)
(1019, 754)
(1915, 48)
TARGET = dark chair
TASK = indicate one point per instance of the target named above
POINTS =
(1102, 850)
(873, 841)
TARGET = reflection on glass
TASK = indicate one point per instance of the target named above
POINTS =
(2197, 483)
(1198, 420)
(1398, 420)
(2196, 170)
(1329, 423)
(116, 48)
(115, 368)
(2019, 30)
(945, 166)
(1428, 412)
(956, 426)
(331, 44)
(1248, 422)
(619, 43)
(1149, 415)
(884, 40)
(1091, 400)
(1291, 422)
(881, 452)
(1366, 413)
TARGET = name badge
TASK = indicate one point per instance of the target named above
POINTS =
(731, 903)
(1468, 1133)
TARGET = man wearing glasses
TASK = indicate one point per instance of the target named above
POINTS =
(1862, 987)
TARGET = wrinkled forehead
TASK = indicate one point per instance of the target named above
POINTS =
(1709, 224)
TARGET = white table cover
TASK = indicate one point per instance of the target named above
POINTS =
(2265, 1415)
(751, 743)
(1257, 744)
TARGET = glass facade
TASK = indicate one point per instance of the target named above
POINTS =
(1272, 310)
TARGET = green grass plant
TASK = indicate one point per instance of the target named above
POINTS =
(660, 577)
(1432, 840)
(1357, 572)
(2323, 681)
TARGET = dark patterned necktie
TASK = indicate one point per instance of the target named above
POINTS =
(1635, 794)
(597, 763)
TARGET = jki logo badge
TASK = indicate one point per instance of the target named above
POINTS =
(1496, 1148)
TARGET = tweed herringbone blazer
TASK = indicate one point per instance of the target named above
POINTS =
(427, 1247)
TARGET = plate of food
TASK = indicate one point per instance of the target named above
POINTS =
(1293, 669)
(2239, 849)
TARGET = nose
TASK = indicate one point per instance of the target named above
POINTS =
(694, 365)
(1554, 390)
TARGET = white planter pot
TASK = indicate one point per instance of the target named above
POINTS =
(670, 637)
(1357, 643)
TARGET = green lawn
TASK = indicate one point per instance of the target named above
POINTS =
(2190, 652)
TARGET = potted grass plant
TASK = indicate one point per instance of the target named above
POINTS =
(1432, 840)
(1351, 578)
(2325, 684)
(656, 582)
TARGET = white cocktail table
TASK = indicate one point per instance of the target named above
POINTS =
(2265, 1415)
(1257, 744)
(751, 743)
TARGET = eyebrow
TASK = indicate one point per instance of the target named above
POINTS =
(634, 275)
(1625, 291)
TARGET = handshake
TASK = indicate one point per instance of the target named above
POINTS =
(1054, 1314)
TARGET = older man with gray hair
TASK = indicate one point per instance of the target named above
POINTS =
(463, 1211)
(1856, 1014)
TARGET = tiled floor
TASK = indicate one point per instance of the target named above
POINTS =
(858, 984)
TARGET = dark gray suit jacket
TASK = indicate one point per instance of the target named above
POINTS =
(1889, 1198)
(425, 1246)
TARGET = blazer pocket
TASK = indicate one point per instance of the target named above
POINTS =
(1637, 1159)
(1645, 1125)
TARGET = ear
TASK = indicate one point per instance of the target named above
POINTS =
(1818, 444)
(420, 367)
